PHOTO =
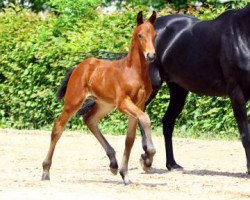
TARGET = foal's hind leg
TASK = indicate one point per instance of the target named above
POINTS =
(130, 138)
(92, 119)
(58, 128)
(73, 100)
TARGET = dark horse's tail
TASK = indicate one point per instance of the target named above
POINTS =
(89, 103)
(62, 90)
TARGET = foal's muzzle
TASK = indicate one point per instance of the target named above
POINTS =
(150, 57)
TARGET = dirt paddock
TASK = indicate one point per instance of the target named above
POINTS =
(213, 169)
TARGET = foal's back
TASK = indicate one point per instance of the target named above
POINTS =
(105, 79)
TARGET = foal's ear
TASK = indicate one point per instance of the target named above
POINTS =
(139, 18)
(152, 18)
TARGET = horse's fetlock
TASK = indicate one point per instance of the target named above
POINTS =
(144, 146)
(46, 165)
(111, 153)
(151, 151)
(122, 172)
(113, 164)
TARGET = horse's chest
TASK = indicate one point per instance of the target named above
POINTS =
(139, 92)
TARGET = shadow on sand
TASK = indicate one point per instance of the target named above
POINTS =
(216, 173)
(121, 183)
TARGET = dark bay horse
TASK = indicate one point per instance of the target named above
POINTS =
(123, 84)
(205, 57)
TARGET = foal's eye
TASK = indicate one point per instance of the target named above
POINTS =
(139, 36)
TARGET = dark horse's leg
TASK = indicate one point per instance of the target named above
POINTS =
(177, 100)
(239, 107)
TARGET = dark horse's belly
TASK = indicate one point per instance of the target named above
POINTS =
(189, 56)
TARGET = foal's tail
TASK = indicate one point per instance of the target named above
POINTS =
(62, 90)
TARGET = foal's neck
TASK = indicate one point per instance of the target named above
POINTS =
(136, 59)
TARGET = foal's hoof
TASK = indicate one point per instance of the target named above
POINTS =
(125, 178)
(174, 167)
(127, 182)
(145, 163)
(114, 170)
(45, 176)
(113, 167)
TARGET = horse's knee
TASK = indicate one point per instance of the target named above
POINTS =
(171, 114)
(145, 121)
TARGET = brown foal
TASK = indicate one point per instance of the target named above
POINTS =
(123, 84)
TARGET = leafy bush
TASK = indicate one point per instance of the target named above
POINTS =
(36, 53)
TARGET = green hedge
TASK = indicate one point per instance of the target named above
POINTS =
(35, 54)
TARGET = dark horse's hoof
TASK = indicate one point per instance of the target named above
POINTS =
(174, 167)
(45, 177)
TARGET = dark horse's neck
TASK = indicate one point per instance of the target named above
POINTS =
(245, 11)
(243, 19)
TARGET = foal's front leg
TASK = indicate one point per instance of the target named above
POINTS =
(129, 108)
(146, 158)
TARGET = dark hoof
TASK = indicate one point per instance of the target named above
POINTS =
(113, 167)
(114, 170)
(45, 176)
(174, 167)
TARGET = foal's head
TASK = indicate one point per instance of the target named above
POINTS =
(145, 36)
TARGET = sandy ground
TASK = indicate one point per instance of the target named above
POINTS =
(213, 169)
